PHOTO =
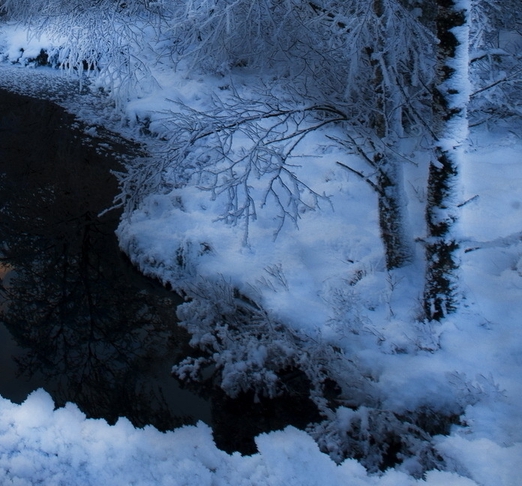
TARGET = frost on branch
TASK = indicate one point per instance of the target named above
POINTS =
(243, 153)
(250, 350)
(105, 38)
(381, 439)
(495, 62)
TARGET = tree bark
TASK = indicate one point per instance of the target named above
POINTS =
(450, 127)
(397, 247)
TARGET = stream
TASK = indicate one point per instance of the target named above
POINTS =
(76, 318)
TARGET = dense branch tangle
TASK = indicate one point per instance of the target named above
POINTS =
(385, 70)
(378, 52)
(95, 36)
(366, 60)
(244, 154)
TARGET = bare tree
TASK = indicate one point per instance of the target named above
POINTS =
(359, 65)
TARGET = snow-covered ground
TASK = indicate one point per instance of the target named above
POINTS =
(324, 279)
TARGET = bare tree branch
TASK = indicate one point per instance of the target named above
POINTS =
(366, 179)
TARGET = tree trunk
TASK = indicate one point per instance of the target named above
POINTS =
(397, 247)
(450, 127)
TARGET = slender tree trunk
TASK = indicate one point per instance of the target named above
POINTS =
(397, 247)
(450, 126)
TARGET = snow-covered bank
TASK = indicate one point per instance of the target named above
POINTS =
(325, 282)
(61, 447)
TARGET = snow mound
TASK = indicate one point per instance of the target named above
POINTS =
(40, 445)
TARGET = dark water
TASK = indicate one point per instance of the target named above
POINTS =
(75, 317)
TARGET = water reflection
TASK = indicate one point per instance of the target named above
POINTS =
(81, 320)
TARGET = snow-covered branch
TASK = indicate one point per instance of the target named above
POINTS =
(243, 152)
(503, 242)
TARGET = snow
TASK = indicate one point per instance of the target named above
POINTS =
(40, 445)
(304, 258)
(473, 359)
(24, 46)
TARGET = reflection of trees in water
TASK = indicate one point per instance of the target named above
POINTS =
(87, 326)
(89, 333)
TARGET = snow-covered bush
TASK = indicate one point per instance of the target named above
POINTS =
(381, 439)
(109, 38)
(250, 350)
(243, 350)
